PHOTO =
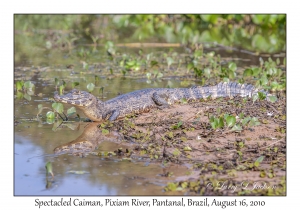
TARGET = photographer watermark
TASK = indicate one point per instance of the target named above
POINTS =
(245, 185)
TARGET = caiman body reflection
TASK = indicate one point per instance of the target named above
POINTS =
(88, 141)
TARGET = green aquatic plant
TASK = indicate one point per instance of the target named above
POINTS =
(57, 108)
(24, 89)
(90, 87)
(269, 75)
(74, 84)
(49, 169)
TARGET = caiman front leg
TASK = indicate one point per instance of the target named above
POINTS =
(114, 114)
(160, 101)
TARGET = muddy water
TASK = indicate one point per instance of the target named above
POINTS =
(73, 175)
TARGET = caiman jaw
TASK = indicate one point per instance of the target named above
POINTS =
(78, 98)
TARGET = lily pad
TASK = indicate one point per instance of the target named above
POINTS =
(58, 107)
(90, 87)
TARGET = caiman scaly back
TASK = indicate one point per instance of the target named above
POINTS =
(143, 100)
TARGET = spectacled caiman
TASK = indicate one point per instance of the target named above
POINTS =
(143, 100)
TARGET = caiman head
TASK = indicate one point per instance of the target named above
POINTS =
(76, 97)
(83, 100)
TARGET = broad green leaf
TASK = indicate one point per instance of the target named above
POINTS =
(105, 131)
(220, 122)
(225, 116)
(236, 128)
(27, 97)
(48, 167)
(20, 95)
(90, 87)
(40, 108)
(260, 159)
(61, 89)
(190, 66)
(255, 97)
(187, 148)
(198, 53)
(230, 121)
(214, 124)
(71, 111)
(184, 184)
(241, 115)
(231, 74)
(58, 107)
(232, 66)
(207, 72)
(184, 139)
(261, 95)
(226, 79)
(248, 73)
(171, 187)
(50, 115)
(254, 122)
(74, 84)
(273, 99)
(111, 51)
(176, 152)
(184, 101)
(56, 124)
(50, 121)
(256, 71)
(30, 92)
(179, 124)
(264, 80)
(245, 120)
(19, 85)
(28, 85)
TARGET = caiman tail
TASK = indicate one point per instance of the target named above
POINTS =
(222, 89)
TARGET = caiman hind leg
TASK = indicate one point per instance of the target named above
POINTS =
(160, 101)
